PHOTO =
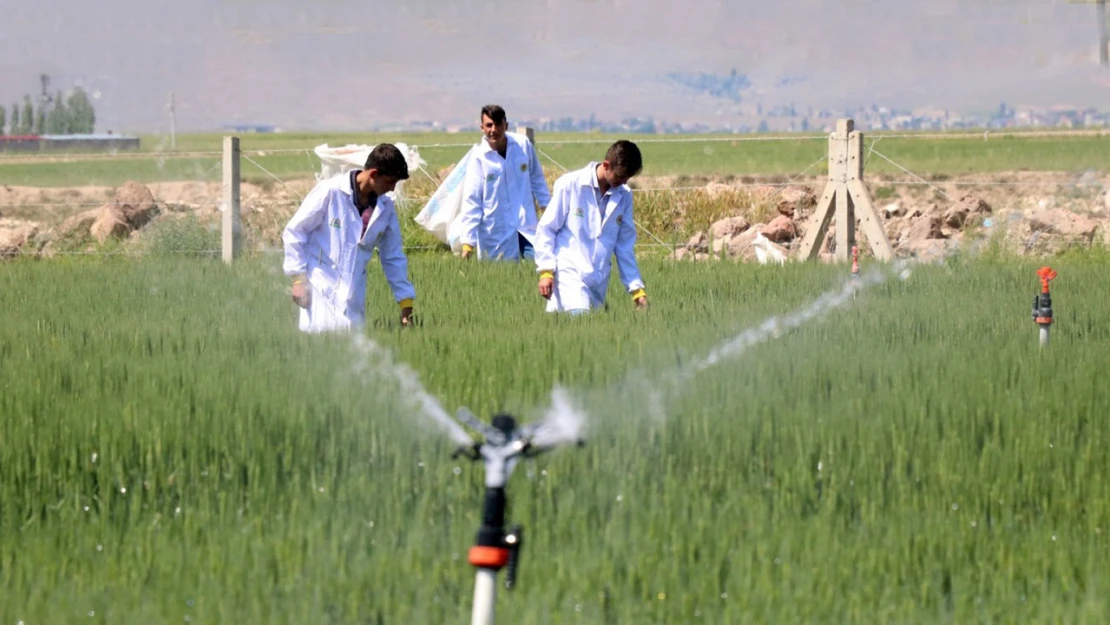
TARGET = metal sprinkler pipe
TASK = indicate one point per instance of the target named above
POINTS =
(1042, 304)
(495, 548)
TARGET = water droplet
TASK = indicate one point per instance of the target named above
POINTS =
(955, 506)
(94, 456)
(92, 612)
(620, 497)
(321, 489)
(974, 524)
(100, 547)
(820, 465)
(662, 596)
(177, 511)
(123, 490)
(457, 470)
(578, 607)
(543, 472)
(724, 595)
(86, 508)
(420, 464)
(778, 561)
(1054, 538)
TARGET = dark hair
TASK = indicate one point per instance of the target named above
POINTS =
(388, 160)
(494, 112)
(624, 158)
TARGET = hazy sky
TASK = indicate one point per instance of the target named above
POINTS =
(345, 64)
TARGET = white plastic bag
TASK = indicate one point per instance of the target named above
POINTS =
(766, 252)
(340, 160)
(441, 212)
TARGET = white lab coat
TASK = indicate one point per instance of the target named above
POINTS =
(578, 243)
(322, 242)
(498, 198)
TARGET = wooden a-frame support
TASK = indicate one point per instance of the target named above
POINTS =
(845, 192)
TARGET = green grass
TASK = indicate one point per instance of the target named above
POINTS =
(171, 449)
(709, 155)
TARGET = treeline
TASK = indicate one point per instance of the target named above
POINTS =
(61, 115)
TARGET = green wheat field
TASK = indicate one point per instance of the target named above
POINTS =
(172, 450)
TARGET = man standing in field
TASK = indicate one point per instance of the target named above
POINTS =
(331, 237)
(503, 184)
(588, 221)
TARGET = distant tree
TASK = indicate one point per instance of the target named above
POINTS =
(15, 120)
(27, 119)
(3, 119)
(82, 116)
(763, 127)
(40, 120)
(58, 119)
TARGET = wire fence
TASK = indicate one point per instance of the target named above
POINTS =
(281, 206)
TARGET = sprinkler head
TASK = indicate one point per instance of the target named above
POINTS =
(505, 423)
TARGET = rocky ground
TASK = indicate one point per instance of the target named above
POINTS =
(1028, 213)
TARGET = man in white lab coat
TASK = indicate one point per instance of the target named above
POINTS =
(504, 182)
(588, 221)
(332, 236)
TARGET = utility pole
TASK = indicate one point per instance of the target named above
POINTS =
(173, 124)
(1103, 43)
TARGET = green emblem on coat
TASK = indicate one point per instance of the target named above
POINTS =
(491, 177)
(334, 223)
(524, 167)
(578, 212)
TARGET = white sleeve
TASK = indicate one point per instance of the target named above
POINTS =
(298, 231)
(470, 214)
(395, 265)
(539, 183)
(549, 226)
(625, 250)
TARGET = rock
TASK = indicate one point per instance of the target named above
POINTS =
(78, 225)
(780, 229)
(927, 226)
(1064, 222)
(110, 223)
(136, 203)
(796, 202)
(728, 227)
(955, 217)
(698, 243)
(14, 236)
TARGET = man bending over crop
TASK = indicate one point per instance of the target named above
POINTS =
(588, 221)
(332, 236)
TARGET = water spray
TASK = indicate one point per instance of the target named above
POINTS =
(1042, 304)
(504, 444)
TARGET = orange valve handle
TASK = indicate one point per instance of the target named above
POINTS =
(1046, 274)
(488, 557)
(1042, 303)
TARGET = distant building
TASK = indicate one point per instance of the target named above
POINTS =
(89, 142)
(250, 127)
